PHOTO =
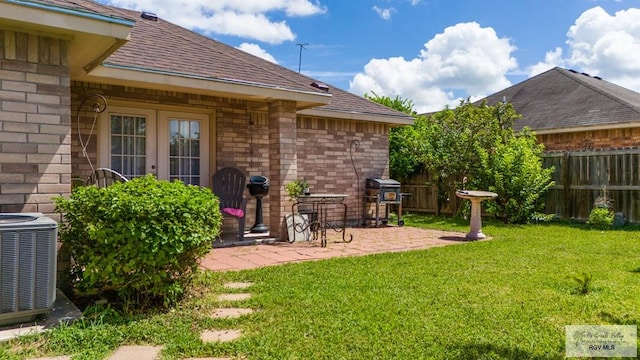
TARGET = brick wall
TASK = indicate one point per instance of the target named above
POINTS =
(243, 141)
(592, 140)
(34, 122)
(231, 125)
(231, 121)
(324, 157)
(35, 158)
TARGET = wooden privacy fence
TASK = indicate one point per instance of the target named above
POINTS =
(580, 177)
(424, 198)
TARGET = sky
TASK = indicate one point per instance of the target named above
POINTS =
(432, 52)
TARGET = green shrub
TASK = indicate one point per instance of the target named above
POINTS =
(142, 238)
(295, 188)
(514, 171)
(601, 218)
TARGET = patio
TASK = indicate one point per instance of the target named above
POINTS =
(365, 241)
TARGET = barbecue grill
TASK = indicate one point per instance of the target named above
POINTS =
(381, 192)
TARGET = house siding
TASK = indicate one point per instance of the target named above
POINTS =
(242, 139)
(35, 143)
(325, 157)
(591, 140)
(35, 155)
(231, 118)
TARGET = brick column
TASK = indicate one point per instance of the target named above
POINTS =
(35, 131)
(282, 163)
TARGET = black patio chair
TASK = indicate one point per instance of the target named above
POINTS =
(228, 185)
(103, 177)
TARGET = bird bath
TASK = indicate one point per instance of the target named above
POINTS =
(476, 197)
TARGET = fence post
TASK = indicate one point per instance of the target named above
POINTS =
(566, 184)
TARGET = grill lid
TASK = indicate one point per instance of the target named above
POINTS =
(377, 183)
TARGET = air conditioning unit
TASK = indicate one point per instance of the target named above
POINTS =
(27, 266)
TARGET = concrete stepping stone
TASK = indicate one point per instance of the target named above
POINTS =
(12, 333)
(234, 297)
(238, 285)
(136, 353)
(230, 313)
(220, 335)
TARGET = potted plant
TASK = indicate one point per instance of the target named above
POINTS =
(296, 188)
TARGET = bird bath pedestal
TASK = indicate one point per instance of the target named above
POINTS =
(476, 198)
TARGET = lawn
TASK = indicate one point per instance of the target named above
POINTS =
(507, 298)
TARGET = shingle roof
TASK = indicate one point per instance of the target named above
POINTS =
(564, 99)
(88, 6)
(163, 46)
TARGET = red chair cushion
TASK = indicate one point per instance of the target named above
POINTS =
(233, 212)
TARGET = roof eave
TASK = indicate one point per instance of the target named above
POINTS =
(105, 33)
(171, 81)
(66, 21)
(359, 116)
(625, 125)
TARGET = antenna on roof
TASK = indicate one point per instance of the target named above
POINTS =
(302, 46)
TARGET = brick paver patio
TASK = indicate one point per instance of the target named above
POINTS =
(365, 241)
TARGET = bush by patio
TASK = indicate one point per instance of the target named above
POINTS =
(142, 238)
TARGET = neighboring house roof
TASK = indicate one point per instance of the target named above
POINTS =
(561, 100)
(188, 61)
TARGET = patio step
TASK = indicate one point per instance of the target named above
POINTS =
(249, 239)
(234, 297)
(238, 285)
(220, 335)
(136, 352)
(230, 313)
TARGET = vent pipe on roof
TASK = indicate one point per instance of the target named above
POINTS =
(149, 16)
(321, 86)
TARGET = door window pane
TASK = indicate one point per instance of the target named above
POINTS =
(128, 145)
(184, 151)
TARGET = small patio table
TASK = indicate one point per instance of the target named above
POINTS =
(318, 222)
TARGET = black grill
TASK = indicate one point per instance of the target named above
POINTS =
(387, 191)
(383, 192)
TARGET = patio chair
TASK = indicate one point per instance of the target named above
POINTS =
(228, 185)
(103, 177)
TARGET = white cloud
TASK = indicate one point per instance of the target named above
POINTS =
(302, 7)
(250, 26)
(607, 45)
(551, 60)
(384, 13)
(256, 50)
(246, 18)
(465, 58)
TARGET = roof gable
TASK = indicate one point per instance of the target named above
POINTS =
(565, 100)
(163, 47)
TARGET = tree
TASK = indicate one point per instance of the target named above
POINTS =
(476, 143)
(454, 140)
(514, 171)
(403, 158)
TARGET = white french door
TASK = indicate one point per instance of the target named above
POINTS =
(183, 142)
(172, 145)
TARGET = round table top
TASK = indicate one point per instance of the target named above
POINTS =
(320, 198)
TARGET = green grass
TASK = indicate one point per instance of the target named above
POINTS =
(508, 298)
